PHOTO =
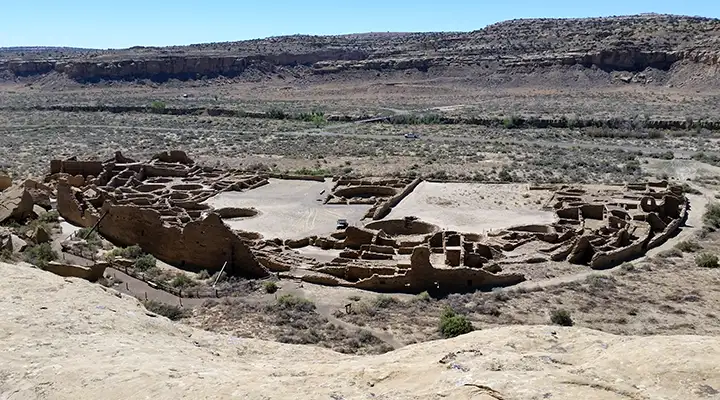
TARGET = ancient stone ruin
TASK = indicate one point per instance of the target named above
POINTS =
(161, 206)
(158, 206)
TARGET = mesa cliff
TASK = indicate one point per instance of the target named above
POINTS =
(630, 44)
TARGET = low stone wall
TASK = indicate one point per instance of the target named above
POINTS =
(385, 208)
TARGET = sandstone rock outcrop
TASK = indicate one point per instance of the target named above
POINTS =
(92, 273)
(16, 203)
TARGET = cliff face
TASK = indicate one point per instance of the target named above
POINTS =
(611, 44)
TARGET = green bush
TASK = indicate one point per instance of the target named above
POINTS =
(668, 155)
(131, 253)
(90, 236)
(670, 253)
(688, 246)
(181, 281)
(172, 312)
(270, 287)
(452, 324)
(204, 274)
(276, 113)
(711, 217)
(157, 106)
(686, 188)
(40, 255)
(384, 301)
(6, 255)
(511, 122)
(49, 217)
(707, 260)
(145, 262)
(424, 296)
(291, 302)
(561, 317)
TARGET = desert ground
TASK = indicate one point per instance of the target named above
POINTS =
(502, 196)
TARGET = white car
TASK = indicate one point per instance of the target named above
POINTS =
(412, 136)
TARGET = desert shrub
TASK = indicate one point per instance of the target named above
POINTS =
(711, 217)
(49, 217)
(270, 287)
(131, 253)
(632, 167)
(452, 324)
(219, 277)
(90, 236)
(424, 296)
(181, 281)
(204, 274)
(707, 260)
(384, 301)
(627, 267)
(6, 255)
(276, 113)
(688, 246)
(505, 176)
(157, 106)
(291, 302)
(40, 255)
(670, 253)
(561, 317)
(668, 155)
(145, 262)
(686, 188)
(312, 172)
(365, 336)
(172, 312)
(318, 120)
(511, 122)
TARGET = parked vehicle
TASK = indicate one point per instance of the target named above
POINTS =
(341, 224)
(412, 136)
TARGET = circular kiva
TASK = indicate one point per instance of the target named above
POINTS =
(399, 227)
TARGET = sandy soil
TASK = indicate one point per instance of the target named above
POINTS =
(288, 209)
(68, 339)
(471, 207)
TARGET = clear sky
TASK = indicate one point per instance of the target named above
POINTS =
(125, 23)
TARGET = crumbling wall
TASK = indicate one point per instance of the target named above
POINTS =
(422, 276)
(204, 244)
(605, 260)
(73, 167)
(71, 206)
(385, 208)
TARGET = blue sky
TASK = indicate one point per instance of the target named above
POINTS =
(117, 24)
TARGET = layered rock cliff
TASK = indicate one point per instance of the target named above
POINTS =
(612, 44)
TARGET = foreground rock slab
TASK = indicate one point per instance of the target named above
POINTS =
(15, 203)
(69, 339)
